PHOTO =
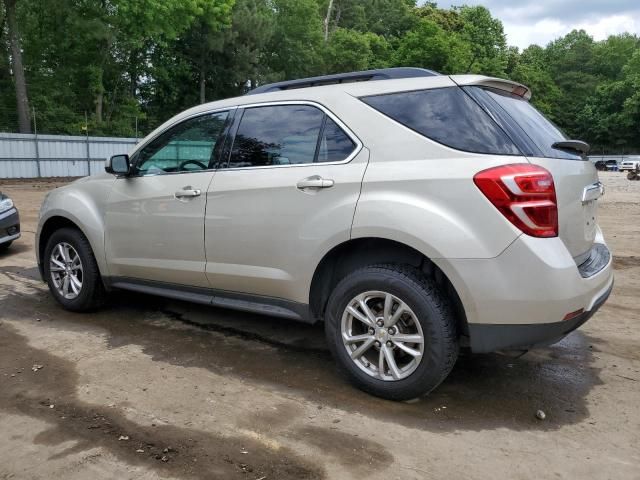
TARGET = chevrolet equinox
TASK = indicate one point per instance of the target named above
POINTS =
(409, 211)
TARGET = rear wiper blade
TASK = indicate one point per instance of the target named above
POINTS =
(575, 145)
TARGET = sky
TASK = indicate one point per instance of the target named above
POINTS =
(541, 21)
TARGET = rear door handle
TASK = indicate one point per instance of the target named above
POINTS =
(188, 192)
(315, 181)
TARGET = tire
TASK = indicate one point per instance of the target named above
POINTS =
(428, 314)
(5, 246)
(91, 294)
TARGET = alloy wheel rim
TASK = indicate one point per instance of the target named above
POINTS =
(382, 335)
(66, 270)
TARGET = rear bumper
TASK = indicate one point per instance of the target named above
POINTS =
(520, 298)
(489, 338)
(9, 226)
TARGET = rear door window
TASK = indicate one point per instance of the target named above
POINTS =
(275, 135)
(448, 116)
(335, 145)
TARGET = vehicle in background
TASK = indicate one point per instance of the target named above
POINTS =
(601, 166)
(9, 222)
(606, 165)
(411, 212)
(630, 164)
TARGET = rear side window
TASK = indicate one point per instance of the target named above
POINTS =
(448, 116)
(288, 135)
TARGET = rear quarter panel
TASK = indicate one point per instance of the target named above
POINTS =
(421, 193)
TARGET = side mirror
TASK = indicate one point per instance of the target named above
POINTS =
(117, 165)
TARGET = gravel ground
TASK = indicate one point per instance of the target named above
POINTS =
(153, 388)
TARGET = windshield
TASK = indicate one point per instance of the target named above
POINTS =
(531, 130)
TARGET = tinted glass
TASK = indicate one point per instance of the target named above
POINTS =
(448, 116)
(277, 135)
(537, 129)
(186, 147)
(335, 145)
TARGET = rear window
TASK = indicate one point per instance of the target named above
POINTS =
(533, 132)
(447, 115)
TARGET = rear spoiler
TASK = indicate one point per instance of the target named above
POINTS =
(497, 83)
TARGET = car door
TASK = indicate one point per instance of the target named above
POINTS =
(285, 197)
(155, 215)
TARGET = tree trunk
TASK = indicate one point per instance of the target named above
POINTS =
(203, 83)
(17, 67)
(133, 82)
(133, 72)
(473, 60)
(327, 20)
(99, 97)
(99, 103)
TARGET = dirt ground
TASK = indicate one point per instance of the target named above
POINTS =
(153, 388)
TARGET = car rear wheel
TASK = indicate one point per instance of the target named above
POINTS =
(391, 331)
(71, 271)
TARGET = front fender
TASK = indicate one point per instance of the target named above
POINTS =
(83, 204)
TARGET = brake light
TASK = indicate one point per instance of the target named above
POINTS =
(525, 194)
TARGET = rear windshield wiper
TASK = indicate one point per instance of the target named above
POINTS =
(575, 145)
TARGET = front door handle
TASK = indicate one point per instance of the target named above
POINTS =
(315, 181)
(188, 192)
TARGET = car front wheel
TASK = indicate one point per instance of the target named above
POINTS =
(71, 271)
(391, 331)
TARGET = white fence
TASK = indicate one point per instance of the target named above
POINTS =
(32, 156)
(618, 158)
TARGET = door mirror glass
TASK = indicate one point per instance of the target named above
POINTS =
(117, 165)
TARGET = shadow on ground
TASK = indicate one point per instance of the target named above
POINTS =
(168, 449)
(483, 391)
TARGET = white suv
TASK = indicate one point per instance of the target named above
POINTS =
(630, 164)
(411, 212)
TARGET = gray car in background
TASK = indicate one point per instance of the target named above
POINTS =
(9, 222)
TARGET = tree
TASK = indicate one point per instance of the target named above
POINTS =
(295, 49)
(139, 62)
(531, 70)
(350, 50)
(388, 18)
(485, 37)
(17, 67)
(428, 45)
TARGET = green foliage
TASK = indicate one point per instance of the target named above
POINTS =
(296, 43)
(350, 50)
(485, 37)
(429, 46)
(115, 64)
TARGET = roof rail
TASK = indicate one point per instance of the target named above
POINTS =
(363, 76)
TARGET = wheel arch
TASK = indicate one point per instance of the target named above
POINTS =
(359, 252)
(52, 224)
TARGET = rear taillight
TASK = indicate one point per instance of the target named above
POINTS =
(525, 194)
